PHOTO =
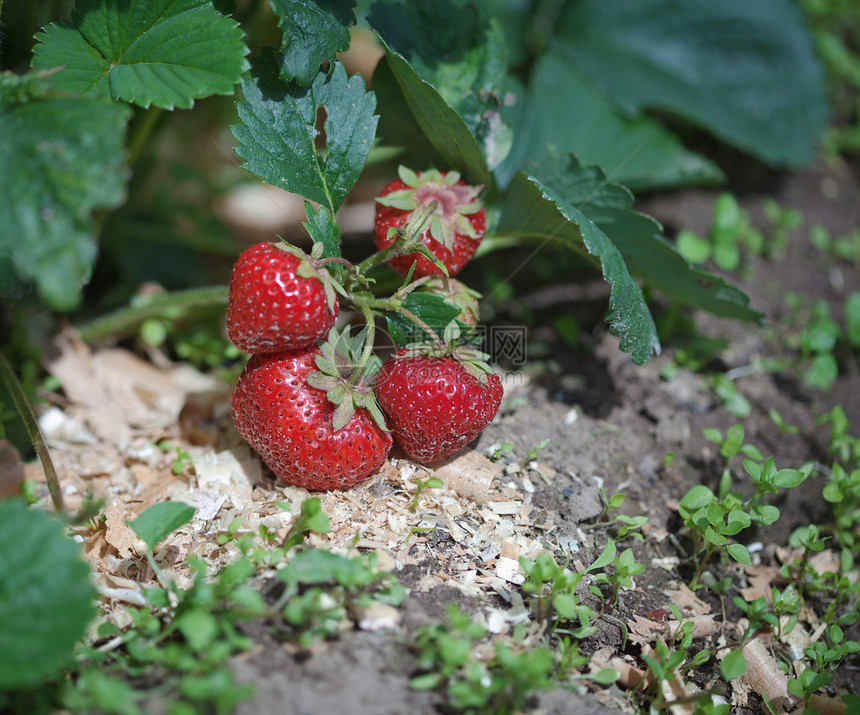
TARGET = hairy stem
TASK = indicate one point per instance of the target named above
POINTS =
(36, 437)
(405, 243)
(124, 322)
(367, 351)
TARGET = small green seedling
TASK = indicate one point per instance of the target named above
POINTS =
(503, 449)
(182, 460)
(554, 599)
(533, 453)
(420, 486)
(714, 520)
(626, 567)
(625, 525)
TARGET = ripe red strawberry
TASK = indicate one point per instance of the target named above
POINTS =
(454, 230)
(278, 300)
(291, 424)
(436, 405)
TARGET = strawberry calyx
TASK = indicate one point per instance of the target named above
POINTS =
(455, 202)
(472, 360)
(346, 374)
(311, 266)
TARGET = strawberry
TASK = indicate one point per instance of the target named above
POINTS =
(436, 404)
(456, 225)
(278, 301)
(304, 438)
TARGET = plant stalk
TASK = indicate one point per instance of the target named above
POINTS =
(124, 321)
(141, 133)
(36, 437)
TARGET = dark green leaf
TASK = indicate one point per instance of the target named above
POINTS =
(417, 104)
(46, 598)
(746, 71)
(314, 30)
(162, 52)
(158, 520)
(647, 254)
(465, 61)
(323, 229)
(534, 212)
(62, 159)
(277, 134)
(562, 112)
(428, 307)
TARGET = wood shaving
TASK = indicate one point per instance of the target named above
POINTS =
(689, 603)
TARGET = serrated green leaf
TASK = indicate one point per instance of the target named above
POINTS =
(46, 597)
(165, 53)
(409, 103)
(466, 64)
(746, 71)
(535, 212)
(562, 112)
(157, 521)
(276, 136)
(322, 228)
(62, 158)
(314, 30)
(647, 254)
(428, 307)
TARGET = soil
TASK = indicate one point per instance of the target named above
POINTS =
(610, 426)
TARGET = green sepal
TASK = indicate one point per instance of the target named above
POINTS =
(321, 381)
(342, 414)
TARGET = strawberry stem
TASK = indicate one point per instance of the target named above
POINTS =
(407, 241)
(367, 350)
(36, 438)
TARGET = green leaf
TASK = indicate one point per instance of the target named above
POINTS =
(605, 676)
(693, 248)
(158, 520)
(277, 134)
(46, 598)
(317, 566)
(607, 556)
(200, 628)
(788, 478)
(314, 30)
(162, 52)
(562, 112)
(407, 101)
(430, 308)
(323, 229)
(822, 372)
(534, 211)
(739, 553)
(63, 158)
(734, 665)
(466, 63)
(764, 514)
(746, 71)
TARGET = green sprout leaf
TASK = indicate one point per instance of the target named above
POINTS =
(277, 131)
(63, 158)
(607, 556)
(159, 520)
(130, 51)
(734, 665)
(46, 598)
(314, 30)
(323, 229)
